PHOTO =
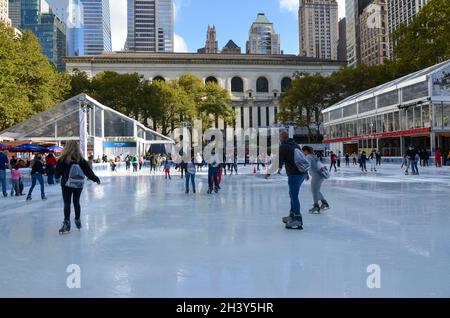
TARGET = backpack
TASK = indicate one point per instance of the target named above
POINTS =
(76, 177)
(322, 169)
(301, 162)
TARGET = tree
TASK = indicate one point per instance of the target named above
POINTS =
(216, 104)
(29, 83)
(122, 92)
(79, 83)
(171, 106)
(426, 41)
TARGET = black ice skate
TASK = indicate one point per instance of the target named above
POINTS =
(216, 189)
(315, 209)
(325, 205)
(78, 223)
(65, 227)
(44, 198)
(295, 223)
(209, 191)
(29, 198)
(288, 218)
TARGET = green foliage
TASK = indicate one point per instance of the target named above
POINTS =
(29, 83)
(425, 42)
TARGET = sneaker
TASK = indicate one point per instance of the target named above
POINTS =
(78, 223)
(295, 223)
(288, 218)
(315, 209)
(65, 228)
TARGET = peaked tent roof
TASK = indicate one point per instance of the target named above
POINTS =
(231, 45)
(62, 122)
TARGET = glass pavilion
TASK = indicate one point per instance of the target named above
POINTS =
(106, 130)
(412, 110)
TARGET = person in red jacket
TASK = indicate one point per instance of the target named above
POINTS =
(50, 163)
(438, 157)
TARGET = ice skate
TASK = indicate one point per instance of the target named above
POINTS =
(216, 189)
(44, 198)
(29, 198)
(78, 223)
(187, 192)
(315, 209)
(288, 218)
(209, 191)
(65, 227)
(295, 223)
(325, 205)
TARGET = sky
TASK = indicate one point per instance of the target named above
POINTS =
(232, 19)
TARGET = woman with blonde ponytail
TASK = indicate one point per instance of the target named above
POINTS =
(73, 168)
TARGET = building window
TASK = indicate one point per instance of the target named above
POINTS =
(237, 85)
(262, 85)
(159, 78)
(286, 84)
(211, 79)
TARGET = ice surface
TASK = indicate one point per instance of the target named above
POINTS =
(143, 237)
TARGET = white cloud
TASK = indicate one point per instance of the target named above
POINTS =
(118, 11)
(180, 44)
(292, 6)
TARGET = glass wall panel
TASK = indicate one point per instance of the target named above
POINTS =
(410, 118)
(396, 123)
(416, 91)
(426, 119)
(98, 122)
(47, 131)
(140, 132)
(69, 126)
(366, 105)
(350, 110)
(446, 113)
(437, 115)
(117, 126)
(388, 99)
(336, 114)
(418, 117)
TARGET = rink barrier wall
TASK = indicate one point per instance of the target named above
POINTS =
(102, 167)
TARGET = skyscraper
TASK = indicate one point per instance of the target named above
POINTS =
(402, 12)
(71, 12)
(262, 37)
(373, 33)
(353, 9)
(97, 26)
(211, 45)
(231, 48)
(150, 26)
(14, 12)
(319, 28)
(50, 31)
(4, 17)
(342, 43)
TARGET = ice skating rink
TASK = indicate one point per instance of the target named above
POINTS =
(143, 237)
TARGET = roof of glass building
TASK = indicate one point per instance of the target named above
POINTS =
(441, 69)
(261, 18)
(61, 122)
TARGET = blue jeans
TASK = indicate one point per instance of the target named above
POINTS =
(212, 176)
(37, 177)
(3, 180)
(192, 177)
(50, 178)
(294, 183)
(414, 167)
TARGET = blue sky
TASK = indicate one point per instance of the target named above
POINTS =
(232, 19)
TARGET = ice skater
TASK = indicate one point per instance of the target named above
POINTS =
(37, 173)
(347, 160)
(4, 164)
(372, 159)
(333, 159)
(167, 169)
(72, 168)
(213, 169)
(296, 166)
(15, 181)
(190, 175)
(362, 161)
(318, 174)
